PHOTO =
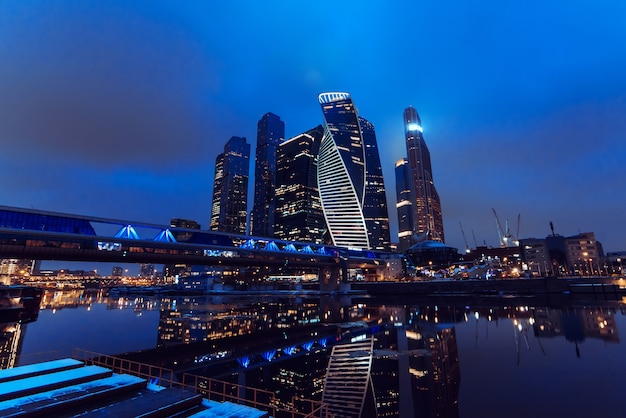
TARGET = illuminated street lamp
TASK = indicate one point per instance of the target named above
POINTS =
(585, 254)
(621, 270)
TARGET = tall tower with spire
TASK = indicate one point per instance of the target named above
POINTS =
(426, 215)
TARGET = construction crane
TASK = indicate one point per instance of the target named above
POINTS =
(501, 239)
(505, 236)
(467, 247)
(516, 238)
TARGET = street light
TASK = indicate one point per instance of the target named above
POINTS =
(621, 270)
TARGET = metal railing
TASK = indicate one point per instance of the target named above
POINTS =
(211, 389)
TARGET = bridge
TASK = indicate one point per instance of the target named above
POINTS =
(43, 235)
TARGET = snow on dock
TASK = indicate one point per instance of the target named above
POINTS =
(37, 369)
(68, 387)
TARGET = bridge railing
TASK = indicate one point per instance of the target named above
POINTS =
(212, 389)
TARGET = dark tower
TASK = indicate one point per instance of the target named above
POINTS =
(404, 204)
(270, 133)
(375, 202)
(230, 188)
(299, 215)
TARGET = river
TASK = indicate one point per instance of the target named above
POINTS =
(485, 358)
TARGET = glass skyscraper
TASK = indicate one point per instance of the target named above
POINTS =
(426, 216)
(230, 187)
(375, 202)
(299, 215)
(270, 133)
(350, 195)
(404, 205)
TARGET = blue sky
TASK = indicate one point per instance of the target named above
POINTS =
(118, 109)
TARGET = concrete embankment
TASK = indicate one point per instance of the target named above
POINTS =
(538, 286)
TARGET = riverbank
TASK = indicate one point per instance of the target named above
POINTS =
(344, 289)
(609, 288)
(536, 286)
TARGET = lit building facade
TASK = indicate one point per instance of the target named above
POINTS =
(230, 188)
(404, 205)
(270, 133)
(184, 223)
(425, 205)
(299, 215)
(146, 270)
(375, 202)
(536, 257)
(341, 172)
(579, 255)
(583, 253)
(216, 203)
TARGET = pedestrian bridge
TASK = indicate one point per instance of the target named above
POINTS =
(35, 234)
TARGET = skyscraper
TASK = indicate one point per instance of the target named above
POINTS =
(270, 133)
(216, 203)
(427, 220)
(230, 187)
(299, 215)
(404, 204)
(375, 202)
(341, 171)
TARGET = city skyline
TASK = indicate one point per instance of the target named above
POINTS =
(120, 110)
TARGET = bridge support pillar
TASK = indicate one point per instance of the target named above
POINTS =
(335, 278)
(329, 278)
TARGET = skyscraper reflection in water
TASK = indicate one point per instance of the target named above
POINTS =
(282, 345)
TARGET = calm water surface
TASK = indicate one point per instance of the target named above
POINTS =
(500, 358)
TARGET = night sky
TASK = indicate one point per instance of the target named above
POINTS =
(118, 109)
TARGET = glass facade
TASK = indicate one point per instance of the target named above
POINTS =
(43, 222)
(404, 205)
(229, 210)
(299, 215)
(375, 202)
(341, 172)
(214, 224)
(270, 134)
(426, 206)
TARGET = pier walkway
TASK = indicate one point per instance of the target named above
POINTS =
(95, 385)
